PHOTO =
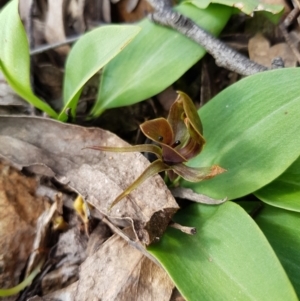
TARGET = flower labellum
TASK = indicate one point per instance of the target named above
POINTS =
(177, 139)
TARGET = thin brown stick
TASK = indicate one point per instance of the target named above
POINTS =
(283, 27)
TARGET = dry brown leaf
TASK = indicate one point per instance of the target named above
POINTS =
(69, 253)
(41, 240)
(118, 272)
(176, 296)
(97, 237)
(132, 10)
(75, 10)
(55, 149)
(97, 11)
(54, 25)
(19, 212)
(261, 52)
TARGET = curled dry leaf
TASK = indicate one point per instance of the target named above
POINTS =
(41, 240)
(118, 272)
(56, 149)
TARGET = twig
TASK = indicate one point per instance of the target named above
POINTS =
(184, 229)
(225, 56)
(44, 48)
(283, 27)
(189, 194)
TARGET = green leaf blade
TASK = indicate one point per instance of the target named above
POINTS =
(228, 259)
(155, 59)
(250, 131)
(283, 192)
(282, 230)
(14, 56)
(91, 52)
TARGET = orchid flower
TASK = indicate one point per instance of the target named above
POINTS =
(177, 139)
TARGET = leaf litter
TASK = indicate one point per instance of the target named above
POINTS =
(54, 149)
(20, 210)
(123, 273)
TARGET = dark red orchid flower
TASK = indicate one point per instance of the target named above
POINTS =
(178, 139)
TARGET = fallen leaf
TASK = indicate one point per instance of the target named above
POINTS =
(69, 253)
(19, 212)
(55, 149)
(75, 12)
(42, 237)
(117, 271)
(97, 11)
(131, 10)
(54, 25)
(261, 52)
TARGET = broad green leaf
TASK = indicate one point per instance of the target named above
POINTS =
(156, 58)
(14, 56)
(284, 192)
(251, 130)
(246, 6)
(282, 229)
(91, 52)
(228, 259)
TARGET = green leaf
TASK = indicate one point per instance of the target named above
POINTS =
(251, 130)
(91, 52)
(14, 56)
(156, 58)
(246, 6)
(284, 192)
(228, 259)
(281, 228)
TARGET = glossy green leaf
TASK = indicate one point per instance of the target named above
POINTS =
(284, 192)
(228, 259)
(282, 229)
(246, 6)
(14, 56)
(156, 58)
(90, 53)
(250, 130)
